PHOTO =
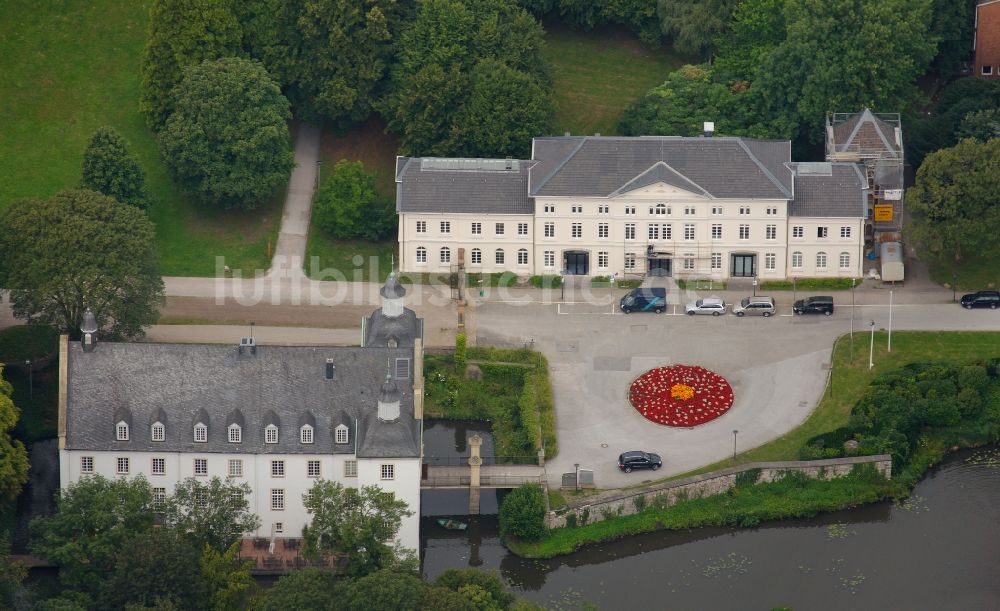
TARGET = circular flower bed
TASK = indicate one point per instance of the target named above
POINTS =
(681, 395)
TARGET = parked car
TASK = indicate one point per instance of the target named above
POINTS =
(981, 299)
(759, 306)
(708, 305)
(651, 299)
(637, 459)
(821, 304)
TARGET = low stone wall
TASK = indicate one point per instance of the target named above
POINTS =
(622, 502)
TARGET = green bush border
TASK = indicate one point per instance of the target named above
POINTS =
(822, 284)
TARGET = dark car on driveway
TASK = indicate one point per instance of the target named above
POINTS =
(637, 459)
(821, 304)
(982, 299)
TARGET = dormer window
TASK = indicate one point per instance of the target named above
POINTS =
(200, 433)
(235, 433)
(306, 434)
(121, 431)
(340, 434)
(271, 434)
(158, 432)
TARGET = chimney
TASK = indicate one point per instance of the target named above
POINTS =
(88, 330)
(510, 163)
(709, 127)
(329, 369)
(249, 344)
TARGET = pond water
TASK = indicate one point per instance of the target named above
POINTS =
(938, 550)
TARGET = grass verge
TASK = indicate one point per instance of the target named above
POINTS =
(816, 284)
(700, 285)
(351, 260)
(972, 273)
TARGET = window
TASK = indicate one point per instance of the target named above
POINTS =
(350, 468)
(688, 231)
(201, 498)
(660, 210)
(499, 228)
(312, 468)
(629, 231)
(158, 432)
(122, 466)
(577, 209)
(159, 496)
(201, 466)
(798, 232)
(845, 232)
(421, 254)
(421, 226)
(271, 434)
(445, 255)
(279, 527)
(388, 471)
(477, 256)
(340, 436)
(550, 258)
(987, 70)
(306, 434)
(121, 431)
(744, 232)
(744, 209)
(235, 433)
(86, 464)
(821, 260)
(522, 229)
(845, 260)
(653, 231)
(477, 229)
(772, 211)
(498, 256)
(577, 230)
(630, 261)
(771, 232)
(550, 230)
(688, 263)
(235, 467)
(550, 208)
(402, 370)
(717, 231)
(159, 466)
(770, 261)
(522, 256)
(602, 230)
(689, 210)
(716, 260)
(602, 260)
(716, 210)
(277, 499)
(821, 232)
(200, 433)
(796, 260)
(277, 468)
(629, 209)
(445, 226)
(603, 209)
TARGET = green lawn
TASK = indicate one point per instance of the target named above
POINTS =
(352, 259)
(974, 273)
(71, 66)
(596, 75)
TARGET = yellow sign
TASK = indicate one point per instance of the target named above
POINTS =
(883, 212)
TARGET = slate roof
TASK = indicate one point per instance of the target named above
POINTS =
(828, 190)
(600, 166)
(181, 383)
(867, 134)
(426, 184)
(379, 329)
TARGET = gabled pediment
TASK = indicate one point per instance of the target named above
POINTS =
(661, 180)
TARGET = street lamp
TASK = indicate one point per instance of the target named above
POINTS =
(562, 285)
(852, 320)
(31, 381)
(954, 284)
(871, 349)
(576, 470)
(319, 168)
(755, 286)
(734, 444)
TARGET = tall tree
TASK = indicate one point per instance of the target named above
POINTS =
(693, 26)
(227, 137)
(954, 199)
(156, 565)
(309, 589)
(183, 33)
(952, 26)
(348, 206)
(356, 522)
(214, 514)
(386, 590)
(109, 167)
(13, 456)
(76, 250)
(227, 577)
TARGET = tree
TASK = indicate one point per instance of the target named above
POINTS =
(309, 589)
(12, 574)
(385, 590)
(522, 513)
(693, 26)
(954, 199)
(227, 577)
(76, 250)
(487, 582)
(421, 110)
(182, 33)
(356, 522)
(94, 519)
(952, 26)
(980, 124)
(13, 455)
(227, 138)
(756, 29)
(110, 168)
(348, 206)
(158, 564)
(214, 514)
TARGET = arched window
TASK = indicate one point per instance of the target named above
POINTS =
(661, 209)
(477, 256)
(271, 434)
(121, 431)
(340, 435)
(200, 433)
(499, 256)
(821, 260)
(158, 432)
(421, 254)
(235, 433)
(522, 256)
(845, 260)
(306, 434)
(445, 255)
(796, 260)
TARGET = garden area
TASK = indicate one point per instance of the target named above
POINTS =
(36, 385)
(509, 389)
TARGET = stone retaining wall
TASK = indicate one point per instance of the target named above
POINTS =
(622, 502)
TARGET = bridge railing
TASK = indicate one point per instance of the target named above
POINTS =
(463, 461)
(485, 481)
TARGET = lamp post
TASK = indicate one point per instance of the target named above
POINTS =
(734, 444)
(871, 349)
(755, 286)
(31, 381)
(562, 285)
(319, 169)
(576, 479)
(954, 285)
(793, 289)
(852, 320)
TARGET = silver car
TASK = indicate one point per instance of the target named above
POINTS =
(708, 305)
(760, 306)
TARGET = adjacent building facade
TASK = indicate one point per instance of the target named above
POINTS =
(986, 41)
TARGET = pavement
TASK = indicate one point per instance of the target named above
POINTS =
(291, 247)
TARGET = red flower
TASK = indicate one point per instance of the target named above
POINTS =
(650, 395)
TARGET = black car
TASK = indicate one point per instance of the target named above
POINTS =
(982, 299)
(652, 299)
(821, 304)
(637, 459)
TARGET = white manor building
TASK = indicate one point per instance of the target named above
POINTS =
(275, 417)
(703, 207)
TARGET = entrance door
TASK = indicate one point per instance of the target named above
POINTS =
(659, 267)
(744, 266)
(577, 262)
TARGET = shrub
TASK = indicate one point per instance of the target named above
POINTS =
(585, 516)
(747, 478)
(571, 520)
(974, 377)
(522, 513)
(639, 502)
(349, 206)
(461, 356)
(488, 581)
(546, 282)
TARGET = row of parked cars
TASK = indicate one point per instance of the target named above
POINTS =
(653, 299)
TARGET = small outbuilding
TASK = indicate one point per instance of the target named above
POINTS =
(892, 261)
